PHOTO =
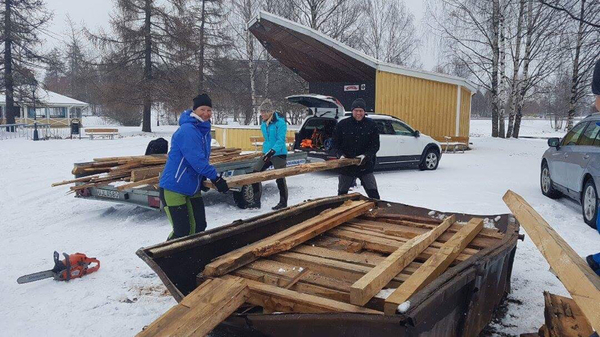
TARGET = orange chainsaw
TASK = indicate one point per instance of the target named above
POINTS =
(73, 266)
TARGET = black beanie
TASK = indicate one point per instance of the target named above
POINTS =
(359, 103)
(201, 100)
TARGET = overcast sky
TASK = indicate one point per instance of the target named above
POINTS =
(94, 14)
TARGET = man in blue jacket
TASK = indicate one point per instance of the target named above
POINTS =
(187, 167)
(274, 130)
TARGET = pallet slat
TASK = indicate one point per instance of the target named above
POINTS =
(434, 266)
(287, 239)
(370, 284)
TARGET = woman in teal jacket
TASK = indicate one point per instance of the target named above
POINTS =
(274, 130)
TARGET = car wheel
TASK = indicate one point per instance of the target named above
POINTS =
(431, 160)
(589, 203)
(546, 183)
(246, 197)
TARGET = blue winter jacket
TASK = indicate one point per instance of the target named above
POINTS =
(188, 161)
(274, 135)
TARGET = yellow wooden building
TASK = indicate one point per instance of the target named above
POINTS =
(436, 104)
(240, 136)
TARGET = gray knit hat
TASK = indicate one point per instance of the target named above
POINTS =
(266, 105)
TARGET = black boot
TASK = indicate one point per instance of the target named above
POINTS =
(283, 194)
(256, 189)
(372, 193)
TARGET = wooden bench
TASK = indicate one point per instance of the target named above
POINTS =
(447, 145)
(110, 133)
(257, 141)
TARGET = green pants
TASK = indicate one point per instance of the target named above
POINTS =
(186, 214)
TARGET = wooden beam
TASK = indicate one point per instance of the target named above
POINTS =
(579, 279)
(434, 266)
(149, 181)
(348, 272)
(382, 245)
(146, 172)
(288, 238)
(564, 318)
(370, 284)
(251, 178)
(202, 310)
(284, 300)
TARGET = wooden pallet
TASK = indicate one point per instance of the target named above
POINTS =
(342, 259)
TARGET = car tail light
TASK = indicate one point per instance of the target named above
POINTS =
(153, 202)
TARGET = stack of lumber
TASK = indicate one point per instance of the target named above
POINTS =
(574, 273)
(340, 261)
(138, 170)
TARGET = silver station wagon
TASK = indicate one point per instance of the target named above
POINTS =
(571, 167)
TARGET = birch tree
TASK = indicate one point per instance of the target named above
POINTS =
(388, 32)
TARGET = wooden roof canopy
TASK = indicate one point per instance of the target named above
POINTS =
(318, 58)
(311, 59)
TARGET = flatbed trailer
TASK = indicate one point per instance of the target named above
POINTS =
(148, 196)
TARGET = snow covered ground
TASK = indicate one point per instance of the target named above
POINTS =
(125, 294)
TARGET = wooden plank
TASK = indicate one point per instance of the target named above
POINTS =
(366, 258)
(290, 271)
(149, 181)
(564, 318)
(434, 266)
(579, 279)
(492, 233)
(202, 310)
(409, 232)
(348, 272)
(383, 245)
(370, 284)
(334, 243)
(284, 300)
(251, 178)
(288, 238)
(414, 218)
(306, 284)
(401, 239)
(147, 172)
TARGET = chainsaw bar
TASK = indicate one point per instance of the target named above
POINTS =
(35, 276)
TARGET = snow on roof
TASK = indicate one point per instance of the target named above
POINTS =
(50, 98)
(360, 56)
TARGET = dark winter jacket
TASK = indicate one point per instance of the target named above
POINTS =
(188, 161)
(352, 138)
(274, 134)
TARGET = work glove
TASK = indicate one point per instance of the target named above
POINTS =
(202, 187)
(267, 156)
(362, 158)
(220, 184)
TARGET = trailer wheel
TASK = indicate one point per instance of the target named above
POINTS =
(246, 198)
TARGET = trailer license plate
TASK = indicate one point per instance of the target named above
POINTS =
(109, 194)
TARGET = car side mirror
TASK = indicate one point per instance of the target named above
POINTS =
(417, 133)
(554, 142)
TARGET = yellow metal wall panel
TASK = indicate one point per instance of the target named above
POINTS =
(426, 105)
(240, 137)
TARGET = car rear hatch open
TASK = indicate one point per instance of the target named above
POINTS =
(316, 133)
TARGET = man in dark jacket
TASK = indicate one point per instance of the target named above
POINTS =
(188, 165)
(357, 137)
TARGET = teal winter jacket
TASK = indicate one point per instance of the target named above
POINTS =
(274, 135)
